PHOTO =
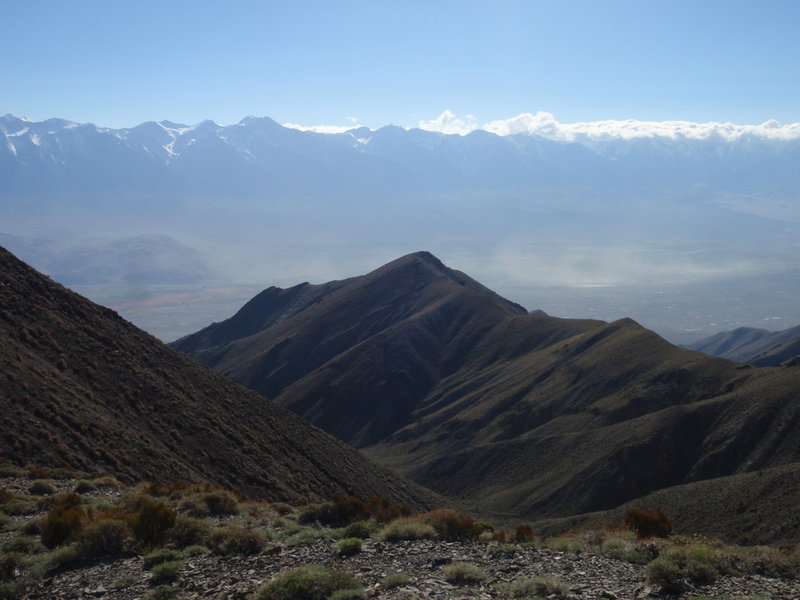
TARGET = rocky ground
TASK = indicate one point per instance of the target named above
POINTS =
(575, 574)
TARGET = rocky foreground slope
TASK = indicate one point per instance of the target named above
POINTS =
(581, 566)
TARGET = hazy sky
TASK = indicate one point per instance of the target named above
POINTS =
(377, 62)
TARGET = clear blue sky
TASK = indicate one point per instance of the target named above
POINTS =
(120, 63)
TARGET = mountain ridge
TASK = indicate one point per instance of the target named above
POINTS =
(515, 413)
(259, 156)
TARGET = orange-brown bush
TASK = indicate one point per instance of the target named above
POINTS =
(220, 502)
(282, 508)
(152, 522)
(63, 521)
(648, 523)
(523, 533)
(384, 510)
(452, 524)
(499, 536)
(350, 509)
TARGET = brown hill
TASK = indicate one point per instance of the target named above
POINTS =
(83, 388)
(514, 414)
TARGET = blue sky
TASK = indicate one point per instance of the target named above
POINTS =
(118, 64)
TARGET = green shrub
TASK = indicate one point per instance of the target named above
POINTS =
(503, 550)
(648, 523)
(452, 524)
(106, 537)
(394, 580)
(312, 582)
(323, 513)
(9, 591)
(407, 528)
(195, 550)
(20, 507)
(22, 544)
(59, 559)
(8, 470)
(189, 532)
(163, 592)
(10, 563)
(350, 546)
(353, 594)
(237, 540)
(461, 573)
(359, 529)
(162, 555)
(32, 526)
(668, 574)
(152, 522)
(84, 486)
(303, 536)
(107, 481)
(537, 587)
(564, 544)
(41, 487)
(166, 572)
(123, 582)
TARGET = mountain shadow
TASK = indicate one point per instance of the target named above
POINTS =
(83, 388)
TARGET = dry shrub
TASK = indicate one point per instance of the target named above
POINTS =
(41, 487)
(452, 524)
(106, 537)
(220, 503)
(384, 510)
(6, 496)
(64, 520)
(648, 523)
(152, 522)
(189, 532)
(499, 536)
(282, 508)
(523, 533)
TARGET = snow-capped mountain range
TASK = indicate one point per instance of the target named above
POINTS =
(258, 157)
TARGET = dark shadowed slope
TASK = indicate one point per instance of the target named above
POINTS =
(369, 347)
(513, 413)
(756, 346)
(83, 388)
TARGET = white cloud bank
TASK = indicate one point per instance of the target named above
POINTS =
(545, 125)
(324, 128)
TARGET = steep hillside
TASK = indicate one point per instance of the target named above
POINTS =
(369, 347)
(756, 346)
(512, 413)
(83, 388)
